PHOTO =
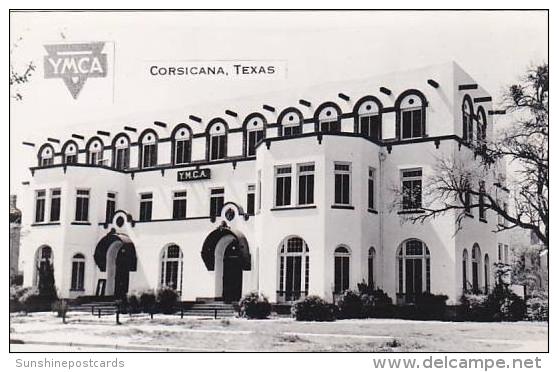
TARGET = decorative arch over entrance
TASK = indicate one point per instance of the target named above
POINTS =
(115, 254)
(226, 253)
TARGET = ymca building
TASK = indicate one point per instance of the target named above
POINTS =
(289, 197)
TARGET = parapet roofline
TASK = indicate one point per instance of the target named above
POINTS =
(247, 104)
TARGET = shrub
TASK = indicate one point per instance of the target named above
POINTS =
(537, 307)
(503, 304)
(133, 304)
(473, 307)
(430, 306)
(254, 306)
(377, 304)
(350, 305)
(313, 308)
(167, 299)
(30, 299)
(61, 307)
(147, 301)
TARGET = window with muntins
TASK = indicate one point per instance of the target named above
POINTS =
(305, 184)
(294, 269)
(371, 181)
(217, 141)
(251, 199)
(413, 261)
(146, 206)
(329, 121)
(182, 146)
(70, 154)
(342, 270)
(342, 179)
(369, 120)
(149, 150)
(78, 273)
(95, 153)
(372, 267)
(110, 208)
(172, 267)
(121, 153)
(411, 181)
(46, 156)
(475, 263)
(40, 205)
(283, 176)
(216, 201)
(82, 205)
(411, 116)
(55, 198)
(482, 207)
(179, 205)
(487, 274)
(255, 132)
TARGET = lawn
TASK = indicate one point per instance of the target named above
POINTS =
(170, 333)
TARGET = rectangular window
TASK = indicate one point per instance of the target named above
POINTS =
(122, 160)
(411, 125)
(179, 205)
(40, 204)
(182, 152)
(71, 159)
(499, 252)
(250, 199)
(110, 207)
(283, 185)
(149, 155)
(342, 173)
(82, 205)
(78, 274)
(370, 126)
(218, 147)
(55, 195)
(146, 206)
(292, 130)
(93, 158)
(216, 201)
(467, 197)
(411, 180)
(305, 184)
(330, 126)
(46, 162)
(371, 176)
(254, 136)
(506, 254)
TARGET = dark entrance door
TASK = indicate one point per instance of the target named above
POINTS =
(232, 273)
(122, 274)
(413, 278)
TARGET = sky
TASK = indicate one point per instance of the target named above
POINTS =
(494, 47)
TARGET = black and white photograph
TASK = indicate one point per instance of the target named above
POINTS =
(279, 181)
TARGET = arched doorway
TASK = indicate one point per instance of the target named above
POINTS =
(115, 254)
(232, 273)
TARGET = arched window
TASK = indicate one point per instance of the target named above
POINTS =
(78, 272)
(44, 270)
(468, 116)
(217, 139)
(182, 144)
(294, 269)
(121, 152)
(487, 274)
(464, 266)
(342, 268)
(70, 152)
(368, 117)
(254, 132)
(290, 122)
(413, 260)
(328, 118)
(95, 151)
(481, 128)
(171, 267)
(411, 114)
(148, 149)
(372, 267)
(475, 262)
(46, 155)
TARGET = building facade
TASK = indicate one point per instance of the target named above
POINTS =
(288, 201)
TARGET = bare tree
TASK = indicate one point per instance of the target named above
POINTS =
(18, 75)
(464, 181)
